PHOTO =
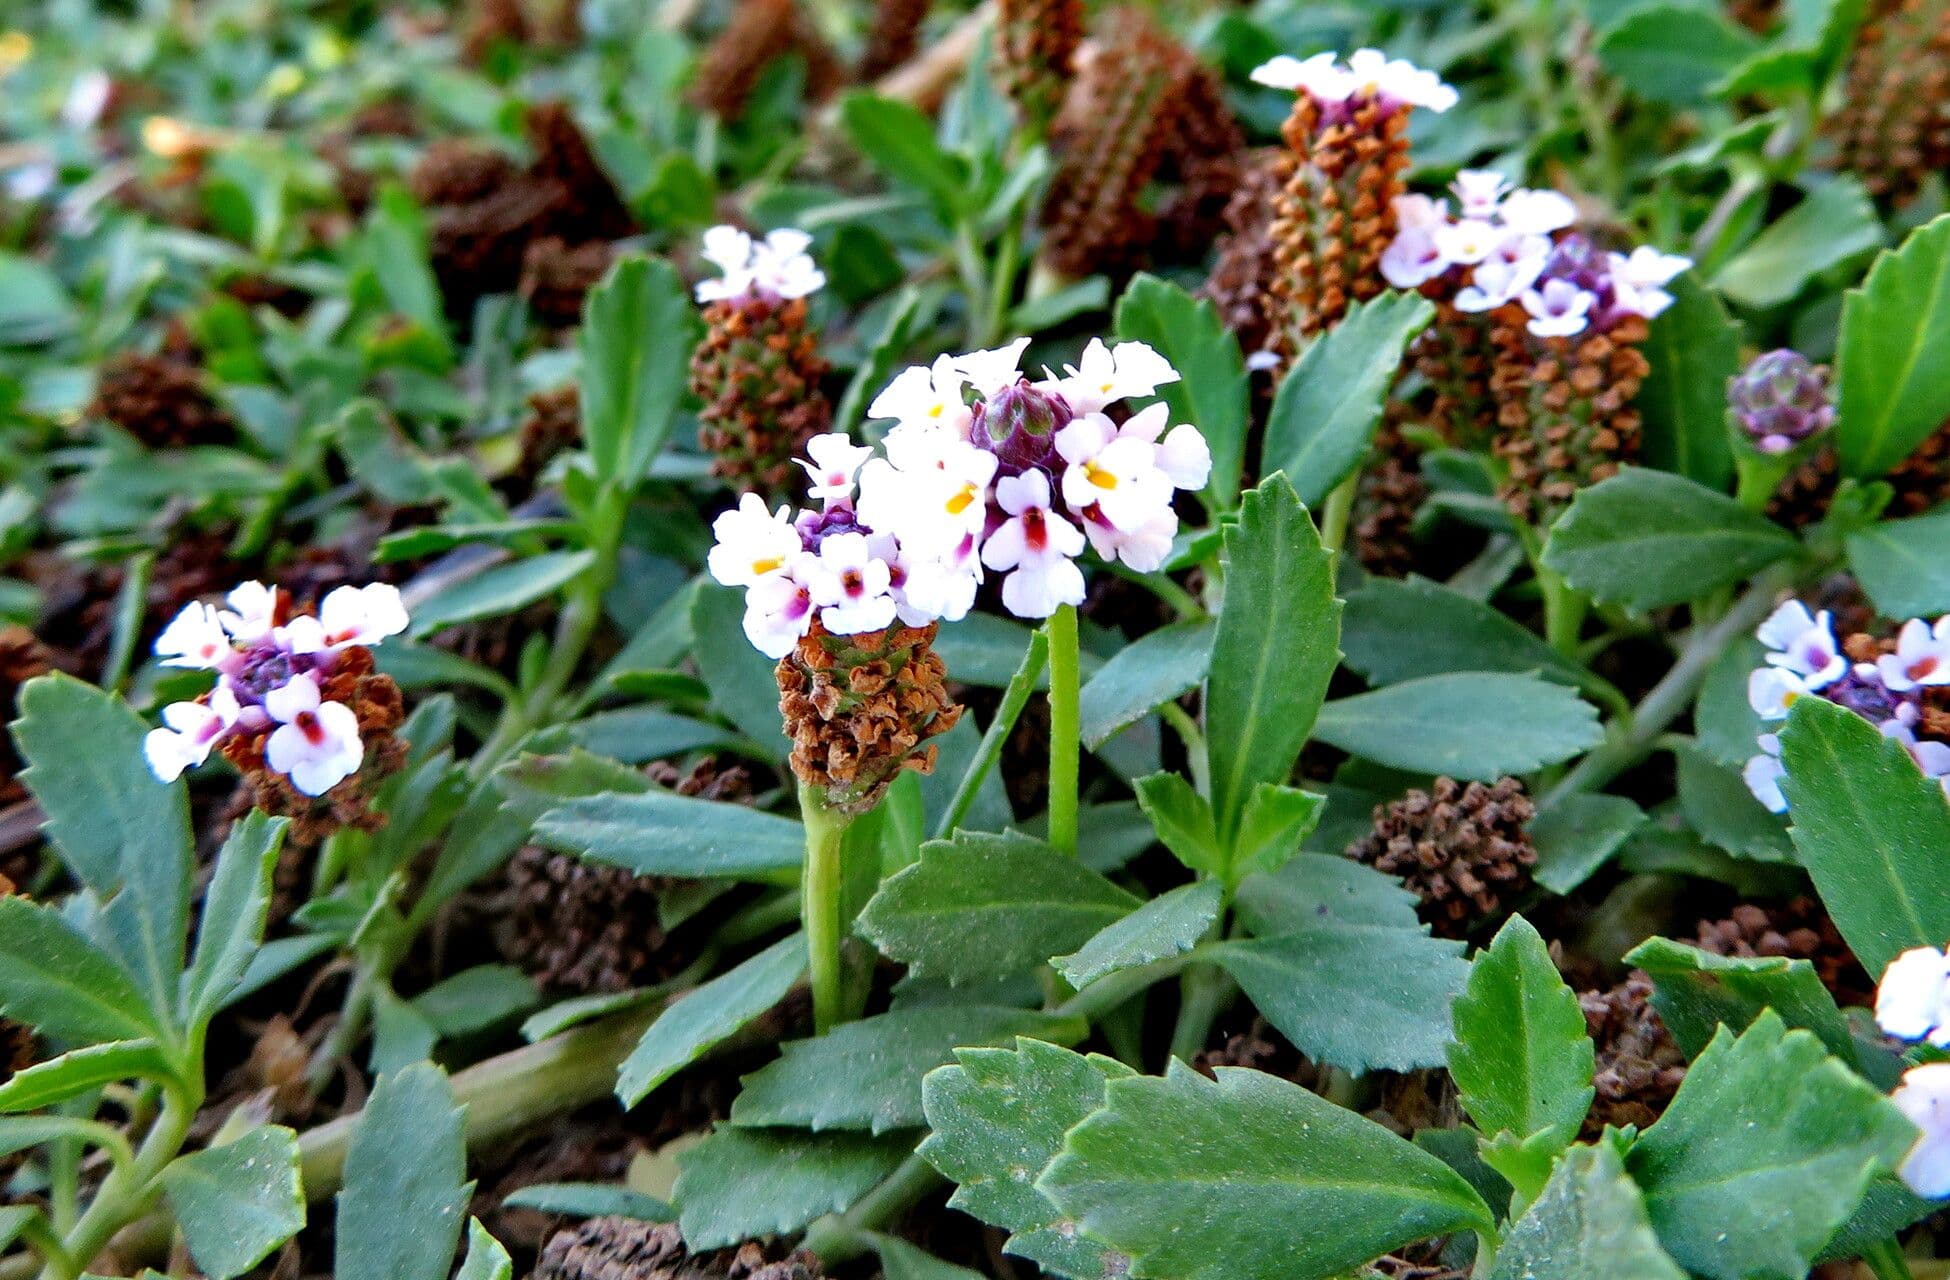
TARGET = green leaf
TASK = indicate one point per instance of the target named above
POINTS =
(234, 910)
(1765, 1150)
(475, 999)
(1673, 53)
(1474, 726)
(708, 1015)
(1212, 390)
(1521, 1059)
(1324, 414)
(741, 1183)
(1167, 925)
(1359, 996)
(867, 1074)
(34, 305)
(1277, 644)
(1276, 820)
(1694, 350)
(1904, 565)
(80, 1070)
(1720, 807)
(899, 139)
(660, 833)
(395, 243)
(900, 1260)
(999, 1116)
(638, 329)
(1696, 993)
(1892, 376)
(980, 905)
(501, 590)
(1183, 820)
(1576, 834)
(1401, 630)
(1589, 1224)
(1645, 539)
(486, 1259)
(58, 981)
(1724, 722)
(405, 1181)
(1201, 1179)
(236, 1202)
(1323, 888)
(1143, 675)
(125, 835)
(1872, 831)
(1835, 223)
(743, 684)
(589, 1200)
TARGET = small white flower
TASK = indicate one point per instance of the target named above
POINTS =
(1785, 625)
(925, 396)
(87, 99)
(834, 461)
(1922, 656)
(1479, 192)
(1924, 1097)
(1931, 757)
(1414, 210)
(752, 543)
(1498, 280)
(1558, 310)
(1037, 544)
(30, 182)
(778, 610)
(1143, 548)
(316, 744)
(1532, 212)
(1183, 454)
(990, 371)
(349, 616)
(1398, 80)
(194, 638)
(933, 497)
(850, 585)
(927, 588)
(253, 611)
(1812, 653)
(193, 729)
(1469, 241)
(1115, 473)
(1913, 998)
(777, 265)
(1771, 691)
(1646, 267)
(1763, 774)
(1103, 375)
(1320, 77)
(1413, 258)
(730, 251)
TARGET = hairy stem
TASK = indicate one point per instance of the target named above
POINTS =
(1064, 742)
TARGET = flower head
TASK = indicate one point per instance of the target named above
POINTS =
(192, 731)
(1558, 309)
(752, 543)
(850, 584)
(349, 616)
(316, 743)
(1395, 83)
(1780, 400)
(1037, 546)
(1922, 656)
(776, 267)
(1480, 192)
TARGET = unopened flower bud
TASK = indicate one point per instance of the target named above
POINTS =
(1018, 424)
(1780, 400)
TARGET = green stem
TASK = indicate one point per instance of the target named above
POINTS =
(820, 906)
(345, 1033)
(1564, 610)
(1064, 731)
(1886, 1260)
(1195, 750)
(839, 1237)
(1206, 991)
(129, 1191)
(1002, 282)
(1334, 513)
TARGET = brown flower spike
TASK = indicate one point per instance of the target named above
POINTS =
(760, 33)
(758, 372)
(1463, 849)
(1564, 410)
(861, 708)
(1893, 130)
(1036, 42)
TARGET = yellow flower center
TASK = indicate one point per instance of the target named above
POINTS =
(1098, 476)
(762, 567)
(964, 496)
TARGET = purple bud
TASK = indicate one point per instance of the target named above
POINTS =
(1019, 424)
(816, 526)
(1780, 400)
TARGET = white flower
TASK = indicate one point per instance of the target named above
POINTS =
(1469, 241)
(1398, 80)
(990, 371)
(87, 98)
(1103, 375)
(925, 588)
(1931, 757)
(1535, 213)
(30, 182)
(1646, 267)
(752, 543)
(1037, 544)
(932, 496)
(1763, 774)
(1115, 473)
(778, 610)
(834, 461)
(1321, 76)
(777, 265)
(1183, 454)
(1143, 548)
(1479, 192)
(730, 251)
(1558, 310)
(194, 638)
(1913, 998)
(850, 585)
(349, 616)
(1771, 691)
(1810, 653)
(925, 396)
(253, 611)
(1924, 1096)
(193, 729)
(316, 744)
(1785, 625)
(1498, 280)
(1414, 210)
(1922, 656)
(1412, 257)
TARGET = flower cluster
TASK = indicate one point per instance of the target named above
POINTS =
(272, 669)
(777, 266)
(1369, 76)
(1913, 1003)
(983, 470)
(1886, 684)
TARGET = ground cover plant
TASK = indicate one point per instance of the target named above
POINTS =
(779, 638)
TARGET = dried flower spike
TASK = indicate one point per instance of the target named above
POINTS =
(893, 37)
(1639, 1065)
(1036, 44)
(160, 401)
(1893, 130)
(760, 33)
(1463, 849)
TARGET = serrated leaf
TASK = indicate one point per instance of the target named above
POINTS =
(1589, 1224)
(1359, 996)
(1248, 1177)
(1143, 675)
(636, 338)
(1696, 993)
(57, 980)
(1577, 834)
(1277, 819)
(486, 1259)
(867, 1074)
(236, 1202)
(1764, 1151)
(1277, 644)
(1904, 565)
(1720, 807)
(1183, 821)
(1212, 389)
(980, 905)
(1167, 925)
(406, 1186)
(1892, 376)
(79, 1070)
(1872, 831)
(1693, 349)
(1521, 1058)
(1646, 539)
(1322, 888)
(234, 911)
(999, 1116)
(1836, 222)
(1325, 411)
(742, 1183)
(661, 833)
(1402, 630)
(708, 1015)
(1479, 725)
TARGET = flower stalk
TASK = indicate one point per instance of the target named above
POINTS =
(821, 909)
(1064, 730)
